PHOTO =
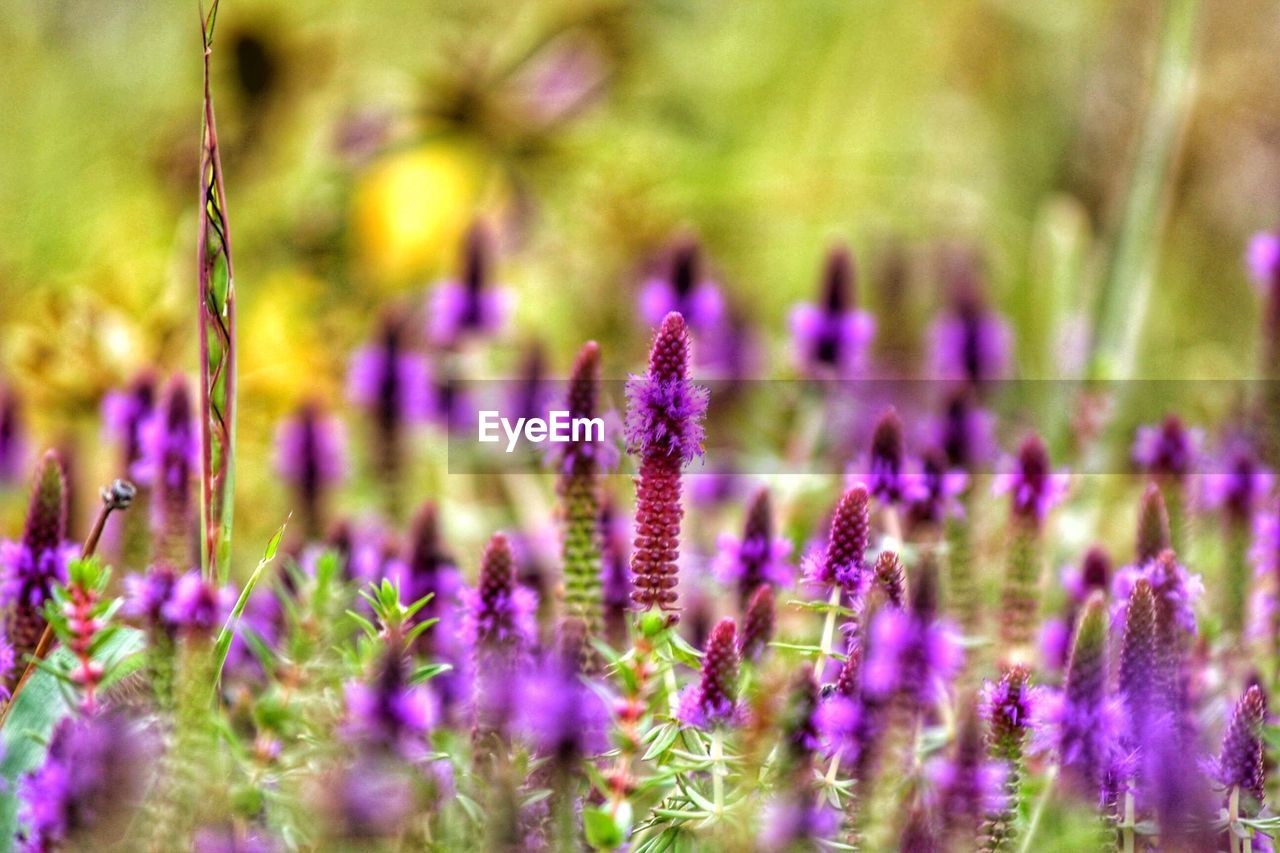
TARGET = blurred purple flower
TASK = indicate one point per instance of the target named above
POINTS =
(969, 341)
(388, 712)
(29, 576)
(1263, 260)
(471, 304)
(1176, 590)
(758, 557)
(1034, 488)
(197, 606)
(713, 701)
(13, 441)
(311, 449)
(227, 839)
(498, 615)
(683, 290)
(170, 443)
(125, 412)
(390, 381)
(562, 716)
(796, 822)
(1238, 482)
(831, 338)
(1170, 449)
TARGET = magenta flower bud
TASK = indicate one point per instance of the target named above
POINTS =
(1240, 763)
(683, 290)
(890, 577)
(758, 557)
(887, 460)
(831, 337)
(471, 304)
(13, 441)
(311, 458)
(970, 342)
(714, 701)
(664, 428)
(1168, 450)
(758, 624)
(842, 561)
(1141, 677)
(125, 414)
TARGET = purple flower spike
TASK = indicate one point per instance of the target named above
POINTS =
(664, 428)
(1240, 764)
(758, 623)
(831, 338)
(1263, 259)
(842, 561)
(311, 457)
(388, 379)
(126, 412)
(887, 462)
(390, 714)
(1034, 488)
(498, 614)
(1153, 525)
(970, 342)
(1086, 723)
(965, 431)
(147, 596)
(759, 557)
(92, 782)
(1239, 482)
(683, 290)
(891, 579)
(34, 564)
(967, 786)
(713, 702)
(1168, 450)
(169, 464)
(197, 607)
(933, 494)
(471, 305)
(560, 714)
(13, 442)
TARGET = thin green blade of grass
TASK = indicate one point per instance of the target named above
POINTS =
(223, 644)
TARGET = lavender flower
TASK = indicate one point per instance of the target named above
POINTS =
(1176, 591)
(887, 463)
(125, 413)
(498, 615)
(169, 462)
(758, 624)
(967, 785)
(34, 564)
(831, 338)
(92, 781)
(13, 443)
(842, 561)
(197, 607)
(561, 715)
(758, 557)
(1241, 761)
(1239, 483)
(428, 569)
(713, 702)
(1169, 450)
(664, 428)
(1034, 488)
(388, 713)
(1140, 663)
(1263, 260)
(911, 653)
(965, 431)
(1009, 707)
(684, 291)
(311, 458)
(970, 342)
(470, 305)
(890, 578)
(933, 494)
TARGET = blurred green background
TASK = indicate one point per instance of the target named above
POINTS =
(360, 140)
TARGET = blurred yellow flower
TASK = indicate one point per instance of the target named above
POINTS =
(411, 209)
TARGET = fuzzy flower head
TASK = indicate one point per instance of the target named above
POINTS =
(758, 623)
(1168, 449)
(32, 565)
(842, 562)
(170, 442)
(933, 493)
(964, 431)
(196, 606)
(970, 342)
(843, 724)
(1176, 590)
(1153, 525)
(683, 290)
(388, 380)
(758, 557)
(831, 338)
(498, 614)
(1263, 260)
(13, 441)
(470, 304)
(588, 452)
(1010, 705)
(1240, 763)
(311, 449)
(1034, 487)
(1239, 482)
(887, 460)
(713, 701)
(126, 412)
(664, 409)
(93, 779)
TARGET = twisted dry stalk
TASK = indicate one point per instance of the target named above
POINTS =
(217, 338)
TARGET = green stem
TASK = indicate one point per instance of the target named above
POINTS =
(1041, 802)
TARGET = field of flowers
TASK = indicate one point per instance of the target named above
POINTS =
(915, 490)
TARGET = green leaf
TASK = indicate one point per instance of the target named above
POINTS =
(223, 644)
(36, 710)
(666, 735)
